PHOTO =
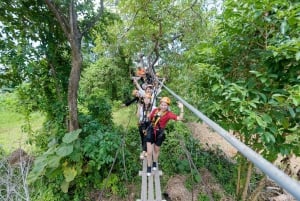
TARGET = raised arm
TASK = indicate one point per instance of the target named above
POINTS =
(180, 117)
(137, 84)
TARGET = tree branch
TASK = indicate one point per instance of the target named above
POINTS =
(73, 21)
(60, 17)
(95, 19)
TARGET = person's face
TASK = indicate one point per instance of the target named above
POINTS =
(148, 90)
(163, 106)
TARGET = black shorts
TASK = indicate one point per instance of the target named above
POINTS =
(157, 137)
(143, 126)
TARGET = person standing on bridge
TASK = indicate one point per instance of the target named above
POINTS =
(159, 118)
(144, 122)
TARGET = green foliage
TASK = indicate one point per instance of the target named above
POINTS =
(112, 79)
(77, 161)
(242, 81)
(111, 183)
(43, 190)
(177, 162)
(247, 78)
(202, 197)
(99, 108)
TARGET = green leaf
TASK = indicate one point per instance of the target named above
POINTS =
(263, 96)
(65, 186)
(70, 137)
(65, 150)
(298, 56)
(267, 118)
(292, 113)
(215, 87)
(285, 123)
(252, 104)
(283, 27)
(270, 137)
(279, 97)
(53, 161)
(260, 121)
(69, 173)
(197, 178)
(38, 169)
(296, 100)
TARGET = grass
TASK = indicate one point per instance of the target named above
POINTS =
(11, 122)
(125, 116)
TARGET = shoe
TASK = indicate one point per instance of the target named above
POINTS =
(148, 171)
(142, 155)
(154, 166)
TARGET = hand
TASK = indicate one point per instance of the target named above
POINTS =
(180, 105)
(135, 78)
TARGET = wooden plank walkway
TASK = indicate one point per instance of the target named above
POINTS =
(150, 189)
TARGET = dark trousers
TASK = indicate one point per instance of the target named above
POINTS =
(143, 133)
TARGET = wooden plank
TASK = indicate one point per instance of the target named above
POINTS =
(144, 181)
(150, 188)
(157, 174)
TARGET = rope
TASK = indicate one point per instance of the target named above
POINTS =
(123, 145)
(111, 168)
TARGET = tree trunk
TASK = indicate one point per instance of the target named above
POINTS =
(74, 83)
(247, 182)
(238, 182)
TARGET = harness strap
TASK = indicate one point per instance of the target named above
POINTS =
(146, 111)
(155, 123)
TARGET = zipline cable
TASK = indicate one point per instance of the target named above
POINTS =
(286, 182)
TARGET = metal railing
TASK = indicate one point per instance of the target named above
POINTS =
(282, 179)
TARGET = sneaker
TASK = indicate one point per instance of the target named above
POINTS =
(154, 166)
(142, 155)
(148, 171)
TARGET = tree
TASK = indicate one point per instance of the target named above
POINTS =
(74, 33)
(34, 58)
(159, 30)
(247, 79)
